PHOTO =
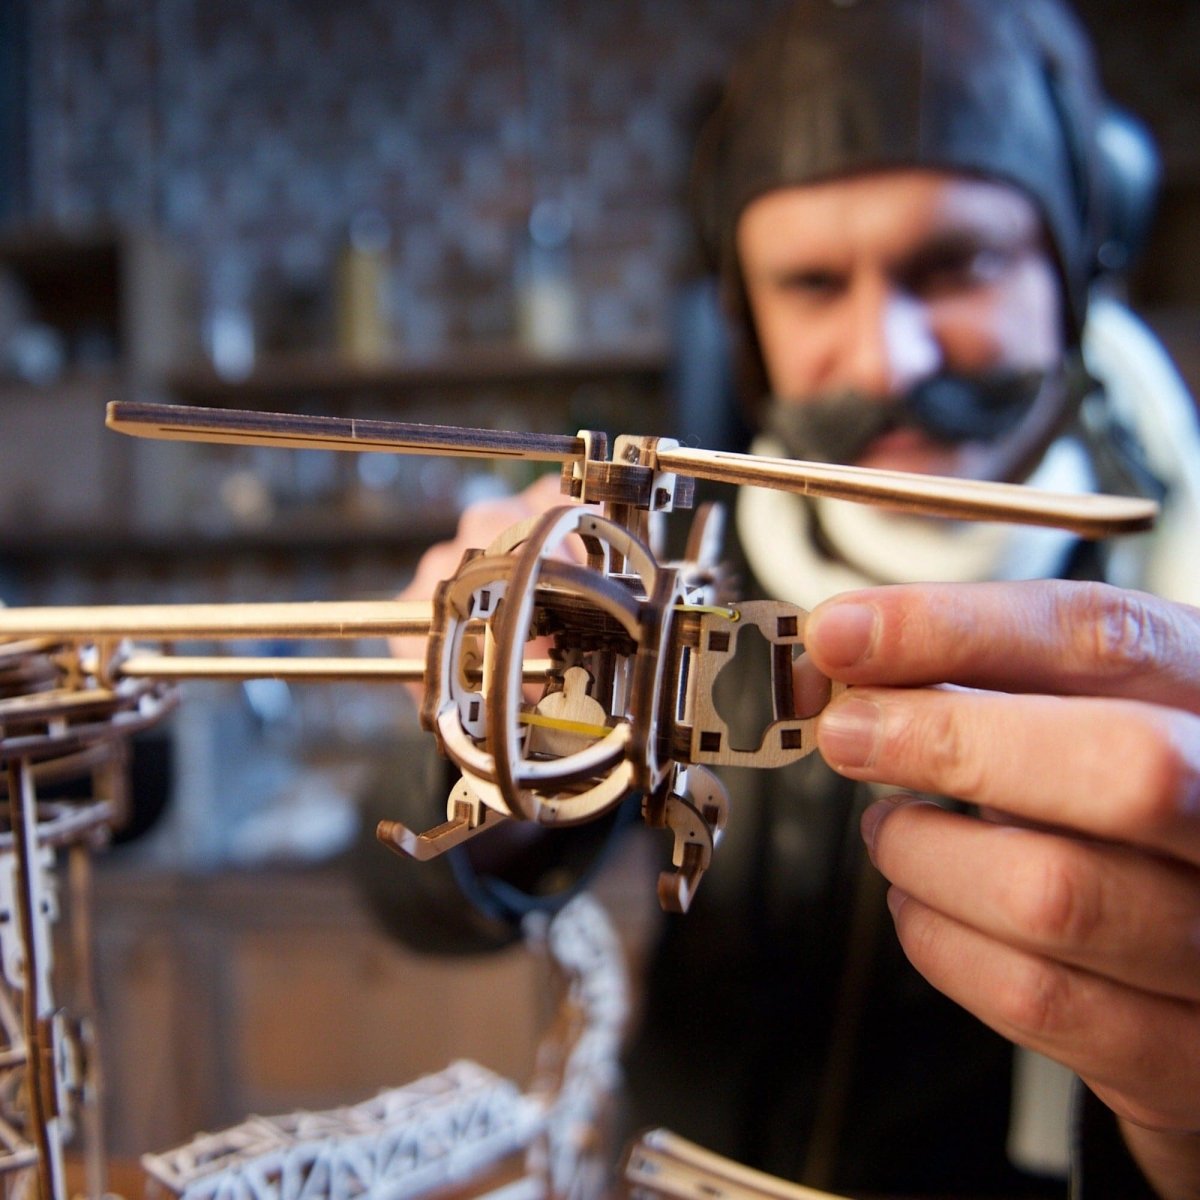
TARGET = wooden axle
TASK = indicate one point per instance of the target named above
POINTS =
(144, 665)
(201, 622)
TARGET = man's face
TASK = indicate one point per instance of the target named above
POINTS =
(873, 283)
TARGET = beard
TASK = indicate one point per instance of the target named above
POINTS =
(1006, 426)
(949, 408)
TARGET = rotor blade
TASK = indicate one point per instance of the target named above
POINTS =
(961, 499)
(181, 622)
(1091, 516)
(181, 423)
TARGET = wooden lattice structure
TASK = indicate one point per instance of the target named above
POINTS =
(463, 1129)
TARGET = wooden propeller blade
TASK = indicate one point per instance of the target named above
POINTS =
(180, 423)
(1091, 516)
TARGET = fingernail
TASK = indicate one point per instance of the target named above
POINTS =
(871, 820)
(848, 731)
(845, 633)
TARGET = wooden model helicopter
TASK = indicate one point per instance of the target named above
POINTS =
(625, 696)
(635, 644)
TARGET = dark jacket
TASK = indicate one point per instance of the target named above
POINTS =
(782, 1025)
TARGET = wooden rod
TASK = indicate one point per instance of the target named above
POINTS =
(662, 1164)
(146, 665)
(936, 496)
(182, 622)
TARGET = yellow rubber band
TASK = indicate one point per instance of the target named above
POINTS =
(580, 727)
(730, 614)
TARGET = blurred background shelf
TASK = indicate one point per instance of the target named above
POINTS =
(317, 533)
(279, 378)
(99, 313)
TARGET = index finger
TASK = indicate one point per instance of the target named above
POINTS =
(1054, 637)
(1120, 770)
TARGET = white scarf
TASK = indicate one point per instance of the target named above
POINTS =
(878, 546)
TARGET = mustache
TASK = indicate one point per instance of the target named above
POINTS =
(949, 407)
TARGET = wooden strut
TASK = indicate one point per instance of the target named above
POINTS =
(178, 667)
(79, 879)
(187, 622)
(37, 1006)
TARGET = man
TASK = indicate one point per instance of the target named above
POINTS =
(910, 205)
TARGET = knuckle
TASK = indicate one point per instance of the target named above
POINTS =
(436, 564)
(1165, 777)
(1122, 633)
(938, 742)
(480, 523)
(1054, 904)
(922, 937)
(1035, 1001)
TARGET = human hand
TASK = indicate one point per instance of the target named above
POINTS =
(1069, 920)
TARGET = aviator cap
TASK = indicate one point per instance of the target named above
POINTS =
(1001, 89)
